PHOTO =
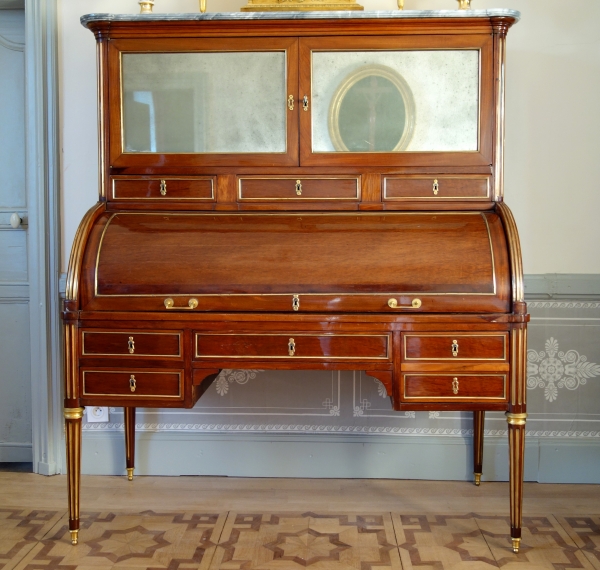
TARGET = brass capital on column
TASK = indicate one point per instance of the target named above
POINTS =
(516, 419)
(73, 413)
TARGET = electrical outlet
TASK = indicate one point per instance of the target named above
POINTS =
(96, 414)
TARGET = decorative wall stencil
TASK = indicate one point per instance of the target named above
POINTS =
(228, 376)
(553, 369)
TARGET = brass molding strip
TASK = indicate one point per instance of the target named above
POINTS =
(388, 337)
(131, 333)
(458, 358)
(168, 179)
(299, 198)
(516, 419)
(450, 399)
(131, 395)
(387, 295)
(514, 250)
(73, 413)
(485, 198)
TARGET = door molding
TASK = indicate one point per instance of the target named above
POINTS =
(42, 177)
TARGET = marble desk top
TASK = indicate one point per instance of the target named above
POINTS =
(349, 14)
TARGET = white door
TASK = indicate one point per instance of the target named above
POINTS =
(15, 357)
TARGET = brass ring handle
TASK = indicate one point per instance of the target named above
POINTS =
(393, 304)
(170, 304)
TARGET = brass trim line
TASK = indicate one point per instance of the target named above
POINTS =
(164, 197)
(504, 336)
(299, 197)
(73, 413)
(451, 398)
(131, 354)
(305, 214)
(516, 419)
(439, 179)
(129, 395)
(284, 356)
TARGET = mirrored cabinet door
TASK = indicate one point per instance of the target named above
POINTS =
(391, 104)
(205, 102)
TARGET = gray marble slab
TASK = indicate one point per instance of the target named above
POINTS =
(346, 14)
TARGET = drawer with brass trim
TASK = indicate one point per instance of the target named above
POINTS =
(131, 343)
(455, 346)
(452, 387)
(436, 188)
(132, 383)
(293, 346)
(164, 189)
(298, 188)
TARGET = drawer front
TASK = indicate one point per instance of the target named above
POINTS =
(132, 383)
(256, 189)
(293, 346)
(420, 347)
(165, 189)
(449, 387)
(436, 188)
(154, 344)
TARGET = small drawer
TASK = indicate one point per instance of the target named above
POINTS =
(307, 188)
(293, 346)
(187, 189)
(133, 343)
(449, 346)
(436, 188)
(132, 383)
(452, 387)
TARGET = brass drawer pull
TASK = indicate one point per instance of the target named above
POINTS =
(163, 187)
(393, 304)
(132, 383)
(298, 187)
(170, 304)
(454, 348)
(291, 347)
(436, 187)
(131, 345)
(291, 102)
(305, 102)
(296, 302)
(455, 385)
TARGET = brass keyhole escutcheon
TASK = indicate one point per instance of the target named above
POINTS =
(132, 383)
(455, 385)
(305, 102)
(163, 187)
(454, 348)
(436, 187)
(298, 187)
(291, 102)
(291, 347)
(296, 302)
(131, 345)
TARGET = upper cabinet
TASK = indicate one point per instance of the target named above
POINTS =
(382, 92)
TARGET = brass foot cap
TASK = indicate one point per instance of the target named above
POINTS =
(130, 473)
(515, 544)
(477, 478)
(74, 536)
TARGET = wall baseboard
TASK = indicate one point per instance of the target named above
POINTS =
(363, 457)
(15, 453)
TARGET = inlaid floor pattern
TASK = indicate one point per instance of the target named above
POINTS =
(33, 539)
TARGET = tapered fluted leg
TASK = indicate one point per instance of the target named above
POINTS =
(130, 440)
(478, 421)
(516, 450)
(73, 439)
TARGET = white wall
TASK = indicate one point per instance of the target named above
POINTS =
(553, 140)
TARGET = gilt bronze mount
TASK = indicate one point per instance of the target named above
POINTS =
(299, 5)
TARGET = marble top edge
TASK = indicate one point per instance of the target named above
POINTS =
(346, 14)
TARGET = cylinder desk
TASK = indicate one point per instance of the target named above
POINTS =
(299, 191)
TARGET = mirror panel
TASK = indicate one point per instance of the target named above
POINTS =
(204, 102)
(395, 101)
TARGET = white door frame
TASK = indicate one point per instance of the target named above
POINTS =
(42, 181)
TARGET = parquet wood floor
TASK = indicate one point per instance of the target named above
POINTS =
(217, 523)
